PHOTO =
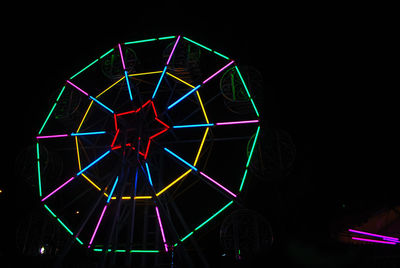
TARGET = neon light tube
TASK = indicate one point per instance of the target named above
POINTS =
(166, 37)
(373, 241)
(179, 158)
(189, 126)
(38, 170)
(183, 97)
(213, 216)
(52, 136)
(219, 54)
(200, 45)
(128, 84)
(252, 148)
(159, 82)
(49, 210)
(52, 109)
(243, 179)
(173, 49)
(98, 102)
(162, 230)
(96, 60)
(56, 190)
(97, 226)
(66, 228)
(172, 183)
(375, 235)
(108, 52)
(140, 41)
(187, 236)
(237, 122)
(88, 133)
(144, 251)
(112, 190)
(148, 172)
(220, 70)
(75, 86)
(216, 183)
(122, 57)
(93, 163)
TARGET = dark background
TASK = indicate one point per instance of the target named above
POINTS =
(326, 73)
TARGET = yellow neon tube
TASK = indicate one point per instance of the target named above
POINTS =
(202, 107)
(91, 182)
(172, 183)
(77, 152)
(201, 146)
(107, 89)
(180, 80)
(139, 74)
(83, 119)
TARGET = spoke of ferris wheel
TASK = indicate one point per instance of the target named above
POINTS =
(79, 173)
(198, 86)
(200, 172)
(90, 97)
(125, 71)
(102, 213)
(165, 67)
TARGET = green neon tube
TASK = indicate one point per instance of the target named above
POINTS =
(38, 170)
(200, 45)
(252, 147)
(66, 228)
(90, 64)
(213, 216)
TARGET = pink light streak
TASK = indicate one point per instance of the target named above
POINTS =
(75, 86)
(216, 183)
(122, 56)
(62, 185)
(373, 241)
(162, 230)
(375, 235)
(97, 226)
(52, 136)
(173, 49)
(237, 122)
(220, 70)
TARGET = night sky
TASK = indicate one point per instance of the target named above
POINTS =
(321, 85)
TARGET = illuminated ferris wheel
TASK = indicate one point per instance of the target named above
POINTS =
(151, 151)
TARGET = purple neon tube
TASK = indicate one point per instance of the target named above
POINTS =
(52, 136)
(216, 183)
(78, 88)
(122, 57)
(373, 241)
(162, 230)
(236, 122)
(173, 49)
(220, 70)
(375, 235)
(62, 185)
(97, 226)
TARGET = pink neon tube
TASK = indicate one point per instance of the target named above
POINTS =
(373, 241)
(75, 86)
(375, 235)
(162, 230)
(237, 122)
(62, 185)
(173, 49)
(122, 57)
(216, 183)
(97, 226)
(220, 70)
(52, 136)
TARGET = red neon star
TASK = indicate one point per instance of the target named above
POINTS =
(137, 128)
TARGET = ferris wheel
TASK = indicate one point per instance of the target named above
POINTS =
(152, 149)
